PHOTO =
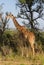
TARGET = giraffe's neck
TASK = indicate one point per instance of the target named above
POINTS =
(19, 27)
(16, 23)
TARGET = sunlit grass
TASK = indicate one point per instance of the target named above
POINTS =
(38, 59)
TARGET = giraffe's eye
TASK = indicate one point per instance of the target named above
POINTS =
(12, 15)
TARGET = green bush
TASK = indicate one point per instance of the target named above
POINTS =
(13, 40)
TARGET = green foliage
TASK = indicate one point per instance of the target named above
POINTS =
(22, 1)
(22, 64)
(12, 41)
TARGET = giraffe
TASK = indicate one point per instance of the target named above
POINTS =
(28, 35)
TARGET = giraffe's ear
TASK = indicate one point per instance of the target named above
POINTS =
(6, 13)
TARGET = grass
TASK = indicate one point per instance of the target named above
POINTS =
(41, 57)
(38, 59)
(11, 32)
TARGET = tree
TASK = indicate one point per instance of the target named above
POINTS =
(27, 10)
(3, 23)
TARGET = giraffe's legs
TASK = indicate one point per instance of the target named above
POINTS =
(22, 53)
(27, 54)
(32, 46)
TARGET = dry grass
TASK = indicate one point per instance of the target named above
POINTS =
(18, 60)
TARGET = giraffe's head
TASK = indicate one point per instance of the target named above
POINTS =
(9, 15)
